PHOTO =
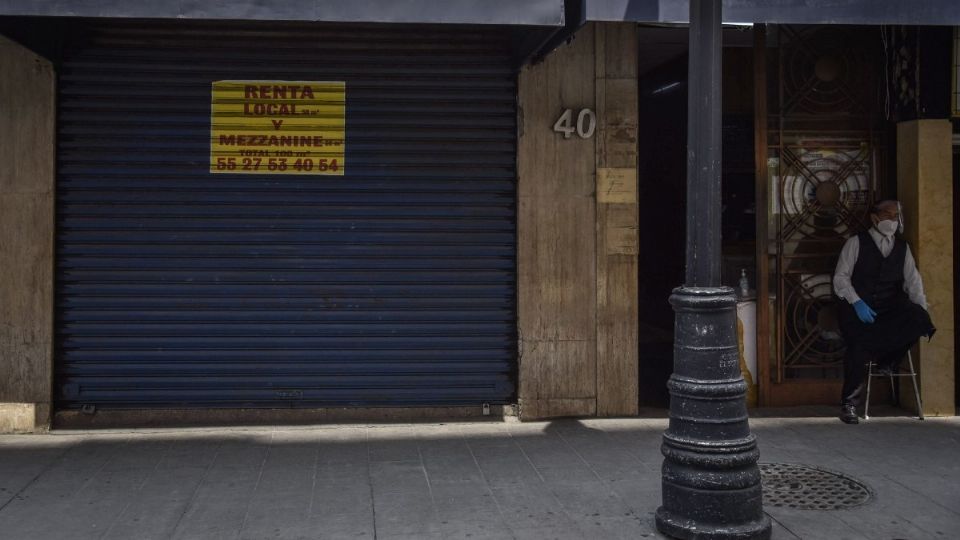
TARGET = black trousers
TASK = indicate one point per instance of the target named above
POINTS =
(885, 341)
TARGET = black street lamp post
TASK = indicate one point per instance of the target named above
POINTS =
(711, 483)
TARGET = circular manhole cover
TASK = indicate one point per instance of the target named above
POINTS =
(788, 485)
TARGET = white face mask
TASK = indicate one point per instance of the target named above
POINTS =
(888, 226)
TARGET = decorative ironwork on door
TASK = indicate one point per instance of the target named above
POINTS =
(824, 162)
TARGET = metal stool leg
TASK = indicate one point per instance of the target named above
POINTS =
(866, 403)
(916, 389)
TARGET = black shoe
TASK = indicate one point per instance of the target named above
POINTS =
(848, 413)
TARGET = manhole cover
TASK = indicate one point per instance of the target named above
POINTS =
(788, 485)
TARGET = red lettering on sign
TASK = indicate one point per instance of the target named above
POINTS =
(293, 91)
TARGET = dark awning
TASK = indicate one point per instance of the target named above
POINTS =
(504, 12)
(917, 12)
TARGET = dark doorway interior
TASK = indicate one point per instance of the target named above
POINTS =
(662, 187)
(662, 192)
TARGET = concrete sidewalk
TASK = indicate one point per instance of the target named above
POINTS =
(593, 478)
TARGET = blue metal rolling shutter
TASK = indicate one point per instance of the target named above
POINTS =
(393, 285)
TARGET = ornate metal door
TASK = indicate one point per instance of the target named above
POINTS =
(824, 161)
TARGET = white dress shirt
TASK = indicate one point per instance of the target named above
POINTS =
(912, 284)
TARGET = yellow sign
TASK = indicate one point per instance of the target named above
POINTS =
(277, 127)
(617, 185)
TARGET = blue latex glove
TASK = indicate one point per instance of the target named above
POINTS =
(866, 314)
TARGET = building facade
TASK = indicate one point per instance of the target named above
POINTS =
(256, 215)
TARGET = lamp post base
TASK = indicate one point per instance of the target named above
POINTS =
(686, 529)
(711, 482)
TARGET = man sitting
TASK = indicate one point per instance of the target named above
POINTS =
(885, 312)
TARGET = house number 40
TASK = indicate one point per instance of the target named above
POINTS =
(586, 124)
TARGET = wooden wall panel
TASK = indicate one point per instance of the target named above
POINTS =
(557, 296)
(566, 385)
(556, 240)
(27, 113)
(549, 166)
(617, 221)
(578, 243)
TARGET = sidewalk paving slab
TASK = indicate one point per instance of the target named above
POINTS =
(564, 479)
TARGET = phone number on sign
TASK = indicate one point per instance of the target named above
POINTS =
(276, 164)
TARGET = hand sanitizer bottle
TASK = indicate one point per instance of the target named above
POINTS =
(744, 284)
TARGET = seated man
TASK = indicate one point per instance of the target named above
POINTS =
(885, 312)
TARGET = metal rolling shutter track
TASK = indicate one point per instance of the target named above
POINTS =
(393, 285)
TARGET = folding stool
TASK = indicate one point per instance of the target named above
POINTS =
(893, 387)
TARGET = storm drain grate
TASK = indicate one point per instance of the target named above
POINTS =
(788, 485)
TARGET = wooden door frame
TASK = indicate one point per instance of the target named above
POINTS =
(761, 152)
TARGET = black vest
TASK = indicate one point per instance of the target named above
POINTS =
(878, 279)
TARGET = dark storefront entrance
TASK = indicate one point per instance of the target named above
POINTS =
(392, 284)
(788, 202)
